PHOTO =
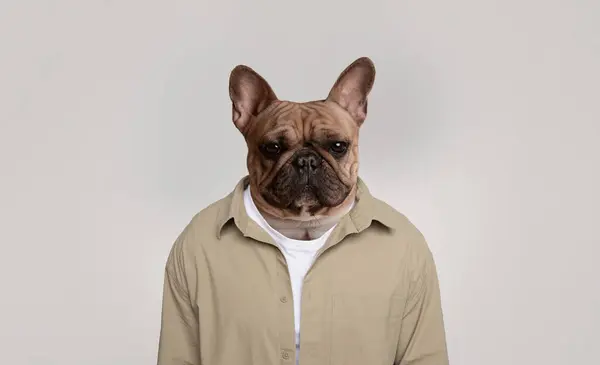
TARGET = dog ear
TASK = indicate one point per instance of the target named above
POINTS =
(250, 94)
(352, 87)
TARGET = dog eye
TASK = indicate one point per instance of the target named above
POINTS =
(271, 149)
(339, 147)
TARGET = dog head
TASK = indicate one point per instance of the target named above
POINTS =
(302, 157)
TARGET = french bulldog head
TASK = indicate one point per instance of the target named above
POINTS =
(302, 157)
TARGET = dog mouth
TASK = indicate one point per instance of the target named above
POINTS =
(305, 197)
(295, 196)
(308, 189)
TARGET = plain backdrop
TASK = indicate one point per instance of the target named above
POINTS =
(483, 129)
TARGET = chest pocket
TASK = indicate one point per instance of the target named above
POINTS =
(365, 328)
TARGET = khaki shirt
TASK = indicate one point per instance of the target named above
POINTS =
(371, 297)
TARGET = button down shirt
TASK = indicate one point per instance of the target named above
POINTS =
(371, 296)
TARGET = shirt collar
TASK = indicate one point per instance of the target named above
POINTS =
(366, 210)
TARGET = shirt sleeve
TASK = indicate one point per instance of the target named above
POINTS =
(179, 335)
(422, 338)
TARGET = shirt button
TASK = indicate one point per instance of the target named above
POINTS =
(283, 299)
(285, 355)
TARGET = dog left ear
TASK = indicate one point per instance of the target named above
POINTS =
(352, 87)
(250, 94)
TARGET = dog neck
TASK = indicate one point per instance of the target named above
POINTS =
(308, 228)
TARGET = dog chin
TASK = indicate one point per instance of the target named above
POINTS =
(307, 200)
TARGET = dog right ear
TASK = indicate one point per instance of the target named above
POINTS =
(250, 94)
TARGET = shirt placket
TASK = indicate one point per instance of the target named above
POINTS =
(316, 304)
(287, 334)
(314, 339)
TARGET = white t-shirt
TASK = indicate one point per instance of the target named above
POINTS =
(299, 255)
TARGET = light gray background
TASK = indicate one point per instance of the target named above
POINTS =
(482, 129)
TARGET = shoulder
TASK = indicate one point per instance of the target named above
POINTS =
(399, 224)
(404, 235)
(208, 221)
(201, 230)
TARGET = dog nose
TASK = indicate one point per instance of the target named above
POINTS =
(308, 161)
